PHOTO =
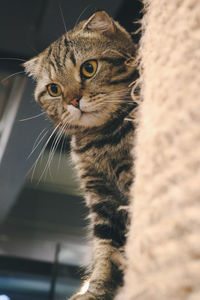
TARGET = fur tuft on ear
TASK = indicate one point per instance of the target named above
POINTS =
(100, 21)
(31, 66)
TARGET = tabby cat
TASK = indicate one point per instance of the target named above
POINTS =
(84, 85)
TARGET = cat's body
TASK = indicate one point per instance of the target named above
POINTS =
(83, 85)
(104, 166)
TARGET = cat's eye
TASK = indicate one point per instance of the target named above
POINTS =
(88, 68)
(54, 89)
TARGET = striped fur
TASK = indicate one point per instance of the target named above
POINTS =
(101, 136)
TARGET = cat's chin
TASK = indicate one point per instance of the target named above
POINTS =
(91, 119)
(85, 119)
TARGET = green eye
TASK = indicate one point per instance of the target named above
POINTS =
(88, 68)
(54, 89)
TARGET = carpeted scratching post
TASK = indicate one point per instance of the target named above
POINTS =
(164, 241)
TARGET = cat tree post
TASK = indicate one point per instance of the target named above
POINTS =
(164, 241)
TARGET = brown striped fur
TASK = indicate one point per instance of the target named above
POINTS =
(101, 136)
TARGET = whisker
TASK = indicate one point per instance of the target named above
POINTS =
(38, 137)
(42, 152)
(59, 139)
(118, 101)
(55, 144)
(36, 145)
(62, 16)
(30, 118)
(84, 10)
(129, 119)
(51, 154)
(60, 154)
(52, 151)
(12, 58)
(8, 77)
(114, 100)
(103, 100)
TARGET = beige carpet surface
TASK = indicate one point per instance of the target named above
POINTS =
(164, 241)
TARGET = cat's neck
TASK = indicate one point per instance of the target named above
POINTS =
(96, 136)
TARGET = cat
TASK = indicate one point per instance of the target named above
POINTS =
(84, 86)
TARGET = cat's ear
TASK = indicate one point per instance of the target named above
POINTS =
(100, 21)
(31, 66)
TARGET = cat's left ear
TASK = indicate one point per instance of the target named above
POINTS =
(31, 66)
(100, 21)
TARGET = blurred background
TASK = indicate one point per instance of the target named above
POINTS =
(43, 241)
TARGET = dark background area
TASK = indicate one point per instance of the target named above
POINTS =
(42, 218)
(28, 27)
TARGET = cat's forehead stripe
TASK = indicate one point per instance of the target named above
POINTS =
(53, 65)
(67, 45)
(49, 51)
(56, 55)
(72, 57)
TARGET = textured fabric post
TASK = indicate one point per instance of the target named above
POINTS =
(164, 241)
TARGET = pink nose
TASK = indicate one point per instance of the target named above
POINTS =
(75, 102)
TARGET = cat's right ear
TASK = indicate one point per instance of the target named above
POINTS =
(31, 66)
(100, 21)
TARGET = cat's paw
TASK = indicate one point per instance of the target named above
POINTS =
(86, 296)
(90, 296)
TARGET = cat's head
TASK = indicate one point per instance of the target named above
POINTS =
(83, 77)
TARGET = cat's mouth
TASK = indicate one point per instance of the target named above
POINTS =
(77, 112)
(80, 109)
(84, 113)
(84, 117)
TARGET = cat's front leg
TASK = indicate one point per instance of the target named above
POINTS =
(106, 274)
(108, 223)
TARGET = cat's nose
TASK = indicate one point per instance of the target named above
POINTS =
(75, 102)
